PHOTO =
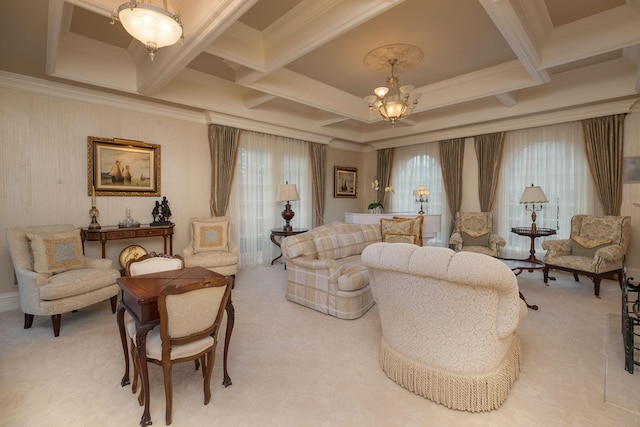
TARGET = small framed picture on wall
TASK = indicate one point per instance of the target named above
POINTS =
(345, 182)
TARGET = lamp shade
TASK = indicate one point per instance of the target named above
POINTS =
(533, 194)
(287, 192)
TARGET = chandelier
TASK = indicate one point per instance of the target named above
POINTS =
(154, 26)
(393, 102)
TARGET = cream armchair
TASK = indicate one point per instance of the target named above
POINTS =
(596, 248)
(53, 275)
(449, 323)
(473, 232)
(211, 246)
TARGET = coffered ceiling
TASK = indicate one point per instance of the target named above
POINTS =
(297, 65)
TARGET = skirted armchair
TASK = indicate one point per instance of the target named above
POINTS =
(473, 232)
(449, 323)
(596, 248)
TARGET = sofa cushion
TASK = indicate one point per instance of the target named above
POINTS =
(211, 236)
(371, 233)
(416, 228)
(395, 226)
(581, 246)
(350, 240)
(353, 278)
(300, 245)
(475, 238)
(400, 238)
(56, 252)
(77, 282)
(326, 242)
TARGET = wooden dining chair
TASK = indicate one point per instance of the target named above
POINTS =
(148, 263)
(190, 318)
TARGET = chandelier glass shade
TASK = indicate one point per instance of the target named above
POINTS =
(153, 26)
(392, 102)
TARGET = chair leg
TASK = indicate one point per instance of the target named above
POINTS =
(168, 390)
(545, 274)
(208, 368)
(114, 303)
(596, 285)
(55, 321)
(575, 277)
(28, 320)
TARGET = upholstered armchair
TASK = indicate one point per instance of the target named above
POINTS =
(53, 275)
(473, 232)
(211, 246)
(596, 248)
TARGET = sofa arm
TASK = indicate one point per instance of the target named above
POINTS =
(312, 263)
(557, 247)
(30, 279)
(98, 263)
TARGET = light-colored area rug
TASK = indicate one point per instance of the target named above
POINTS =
(292, 366)
(622, 389)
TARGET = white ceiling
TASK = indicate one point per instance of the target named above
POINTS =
(298, 64)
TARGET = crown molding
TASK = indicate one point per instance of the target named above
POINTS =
(258, 126)
(61, 90)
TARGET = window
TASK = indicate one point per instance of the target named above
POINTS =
(554, 158)
(414, 166)
(264, 162)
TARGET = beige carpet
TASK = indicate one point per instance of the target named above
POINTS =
(621, 387)
(292, 366)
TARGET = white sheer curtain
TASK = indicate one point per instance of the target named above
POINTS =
(413, 166)
(264, 162)
(554, 158)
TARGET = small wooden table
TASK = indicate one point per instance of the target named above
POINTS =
(533, 234)
(115, 233)
(139, 296)
(279, 232)
(517, 266)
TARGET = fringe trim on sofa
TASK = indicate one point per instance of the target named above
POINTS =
(456, 390)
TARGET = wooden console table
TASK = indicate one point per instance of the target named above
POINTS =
(116, 233)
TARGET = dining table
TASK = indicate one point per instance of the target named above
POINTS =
(139, 297)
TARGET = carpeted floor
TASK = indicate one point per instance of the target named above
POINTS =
(292, 366)
(621, 388)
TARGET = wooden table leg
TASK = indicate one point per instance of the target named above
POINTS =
(123, 337)
(227, 338)
(275, 242)
(141, 349)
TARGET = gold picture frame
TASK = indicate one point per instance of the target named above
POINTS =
(345, 182)
(122, 167)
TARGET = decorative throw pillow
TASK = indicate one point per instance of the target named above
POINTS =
(211, 236)
(326, 242)
(400, 238)
(475, 239)
(582, 246)
(416, 227)
(56, 252)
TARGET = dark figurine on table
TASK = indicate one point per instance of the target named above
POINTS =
(161, 213)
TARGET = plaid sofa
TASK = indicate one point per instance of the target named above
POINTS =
(324, 270)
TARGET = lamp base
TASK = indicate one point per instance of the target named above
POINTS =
(287, 215)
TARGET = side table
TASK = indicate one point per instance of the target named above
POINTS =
(279, 232)
(533, 234)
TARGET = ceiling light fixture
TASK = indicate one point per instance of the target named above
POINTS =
(154, 26)
(393, 102)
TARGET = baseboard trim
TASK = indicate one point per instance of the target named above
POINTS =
(9, 301)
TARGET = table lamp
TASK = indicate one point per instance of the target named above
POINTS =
(286, 193)
(533, 197)
(422, 196)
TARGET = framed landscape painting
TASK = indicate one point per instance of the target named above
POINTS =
(122, 167)
(345, 182)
